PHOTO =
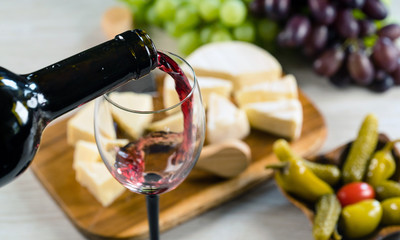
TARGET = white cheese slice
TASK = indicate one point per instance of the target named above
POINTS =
(225, 120)
(81, 125)
(207, 86)
(283, 117)
(99, 181)
(172, 123)
(92, 173)
(242, 63)
(133, 123)
(268, 91)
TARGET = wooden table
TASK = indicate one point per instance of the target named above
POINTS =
(36, 33)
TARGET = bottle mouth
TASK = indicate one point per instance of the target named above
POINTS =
(191, 76)
(149, 46)
(142, 49)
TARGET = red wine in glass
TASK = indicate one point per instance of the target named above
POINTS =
(151, 164)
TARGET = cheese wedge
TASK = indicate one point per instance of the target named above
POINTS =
(207, 86)
(283, 117)
(242, 63)
(133, 123)
(268, 91)
(91, 173)
(172, 123)
(99, 181)
(225, 120)
(81, 125)
(85, 151)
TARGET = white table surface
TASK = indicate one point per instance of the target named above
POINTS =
(36, 33)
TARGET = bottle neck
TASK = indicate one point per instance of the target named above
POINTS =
(76, 80)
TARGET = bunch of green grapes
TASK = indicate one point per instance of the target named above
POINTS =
(197, 22)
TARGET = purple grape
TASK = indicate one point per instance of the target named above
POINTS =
(323, 12)
(282, 8)
(353, 3)
(256, 8)
(382, 82)
(268, 6)
(346, 25)
(385, 54)
(316, 5)
(391, 31)
(341, 78)
(316, 40)
(367, 27)
(396, 73)
(295, 32)
(319, 36)
(277, 9)
(329, 62)
(360, 68)
(375, 9)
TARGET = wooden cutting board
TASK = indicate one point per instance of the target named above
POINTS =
(126, 217)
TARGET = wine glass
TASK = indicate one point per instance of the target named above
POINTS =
(150, 131)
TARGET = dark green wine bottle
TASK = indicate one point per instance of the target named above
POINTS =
(29, 102)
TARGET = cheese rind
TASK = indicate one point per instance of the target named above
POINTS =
(81, 125)
(283, 117)
(133, 123)
(242, 63)
(225, 120)
(268, 91)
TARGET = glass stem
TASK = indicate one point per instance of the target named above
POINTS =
(152, 215)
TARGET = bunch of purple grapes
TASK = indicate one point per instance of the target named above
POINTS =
(346, 39)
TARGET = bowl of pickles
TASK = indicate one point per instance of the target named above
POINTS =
(352, 192)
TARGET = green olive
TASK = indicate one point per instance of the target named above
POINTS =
(360, 219)
(391, 211)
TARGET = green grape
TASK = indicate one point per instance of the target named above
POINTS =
(220, 35)
(358, 14)
(233, 13)
(205, 34)
(187, 17)
(369, 41)
(139, 16)
(209, 9)
(152, 17)
(173, 29)
(387, 2)
(267, 30)
(188, 42)
(245, 32)
(136, 4)
(165, 9)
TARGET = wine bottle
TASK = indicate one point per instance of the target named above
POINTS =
(29, 102)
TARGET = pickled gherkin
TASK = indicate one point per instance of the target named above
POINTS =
(327, 172)
(361, 150)
(327, 212)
